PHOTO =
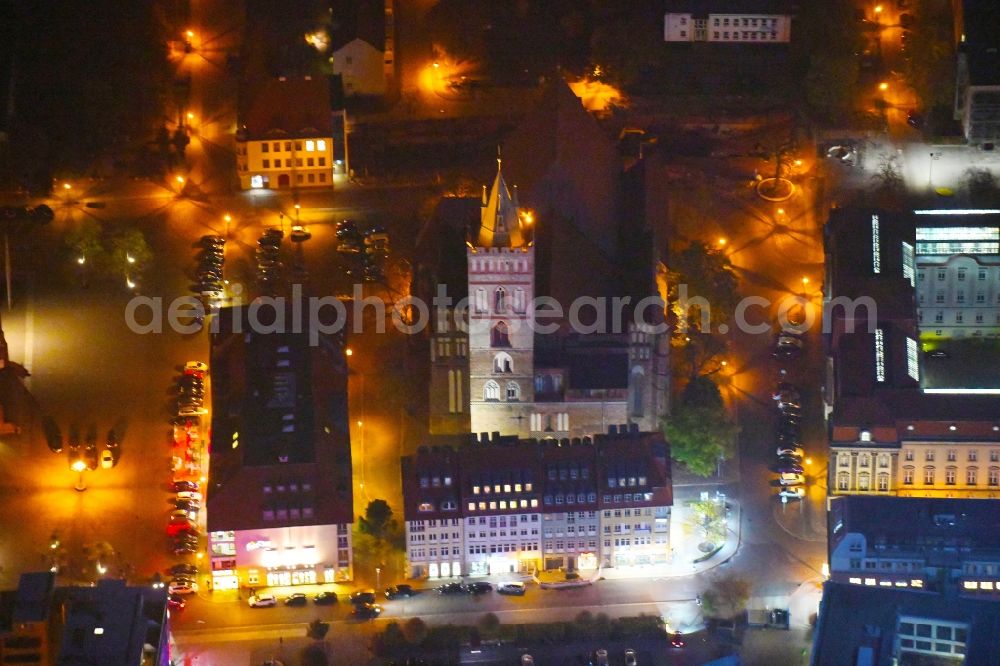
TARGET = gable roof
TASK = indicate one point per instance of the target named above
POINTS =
(290, 107)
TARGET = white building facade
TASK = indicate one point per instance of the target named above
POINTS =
(727, 28)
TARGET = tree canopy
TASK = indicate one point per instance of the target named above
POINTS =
(378, 520)
(699, 431)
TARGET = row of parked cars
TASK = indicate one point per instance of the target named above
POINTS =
(515, 588)
(211, 259)
(268, 256)
(789, 450)
(182, 525)
(371, 245)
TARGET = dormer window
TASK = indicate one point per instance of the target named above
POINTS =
(866, 435)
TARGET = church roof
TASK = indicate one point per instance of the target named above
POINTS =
(500, 225)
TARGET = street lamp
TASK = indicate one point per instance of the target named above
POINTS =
(883, 86)
(228, 218)
(378, 578)
(79, 466)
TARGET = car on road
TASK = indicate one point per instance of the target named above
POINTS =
(452, 588)
(187, 505)
(176, 602)
(180, 486)
(527, 660)
(790, 451)
(797, 492)
(189, 495)
(601, 657)
(367, 611)
(791, 479)
(396, 591)
(191, 410)
(262, 600)
(182, 586)
(296, 599)
(630, 659)
(299, 234)
(513, 588)
(479, 587)
(676, 641)
(363, 597)
(325, 598)
(107, 459)
(914, 120)
(786, 391)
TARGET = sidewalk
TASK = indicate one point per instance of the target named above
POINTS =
(686, 559)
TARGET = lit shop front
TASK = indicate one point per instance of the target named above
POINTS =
(286, 556)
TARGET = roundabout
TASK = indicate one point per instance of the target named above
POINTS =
(775, 189)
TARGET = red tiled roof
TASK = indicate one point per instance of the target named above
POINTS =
(292, 107)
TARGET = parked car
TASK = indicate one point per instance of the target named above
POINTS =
(479, 587)
(790, 468)
(262, 600)
(107, 459)
(798, 492)
(176, 602)
(396, 591)
(790, 451)
(296, 599)
(367, 611)
(914, 119)
(191, 410)
(452, 588)
(601, 657)
(196, 368)
(190, 486)
(189, 495)
(630, 659)
(791, 479)
(515, 588)
(181, 514)
(787, 346)
(213, 241)
(182, 569)
(182, 586)
(933, 353)
(676, 641)
(325, 598)
(363, 597)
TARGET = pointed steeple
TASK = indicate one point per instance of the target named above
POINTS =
(500, 224)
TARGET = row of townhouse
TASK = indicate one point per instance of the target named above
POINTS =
(500, 504)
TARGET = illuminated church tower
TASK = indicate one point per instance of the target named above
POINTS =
(501, 265)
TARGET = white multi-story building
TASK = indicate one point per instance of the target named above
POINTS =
(524, 505)
(958, 279)
(763, 23)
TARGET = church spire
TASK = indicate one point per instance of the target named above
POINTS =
(500, 215)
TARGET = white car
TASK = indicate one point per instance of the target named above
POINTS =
(196, 368)
(189, 495)
(262, 600)
(191, 410)
(791, 479)
(791, 451)
(630, 659)
(182, 587)
(797, 492)
(107, 459)
(181, 514)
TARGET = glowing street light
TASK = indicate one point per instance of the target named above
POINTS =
(101, 569)
(190, 34)
(722, 242)
(79, 467)
(883, 86)
(437, 65)
(129, 283)
(67, 186)
(129, 258)
(878, 9)
(348, 352)
(805, 281)
(179, 179)
(81, 260)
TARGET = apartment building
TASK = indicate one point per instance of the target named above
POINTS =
(728, 21)
(518, 506)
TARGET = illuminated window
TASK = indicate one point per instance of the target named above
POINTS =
(472, 506)
(310, 146)
(912, 359)
(879, 354)
(876, 253)
(321, 145)
(256, 182)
